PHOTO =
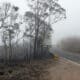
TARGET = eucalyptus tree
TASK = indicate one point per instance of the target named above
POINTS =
(29, 33)
(9, 26)
(48, 11)
(44, 32)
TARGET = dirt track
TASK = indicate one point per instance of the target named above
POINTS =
(65, 70)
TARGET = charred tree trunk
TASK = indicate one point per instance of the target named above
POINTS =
(5, 50)
(36, 31)
(10, 48)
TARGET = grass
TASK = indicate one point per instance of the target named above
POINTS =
(36, 70)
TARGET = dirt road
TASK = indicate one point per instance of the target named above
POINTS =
(65, 70)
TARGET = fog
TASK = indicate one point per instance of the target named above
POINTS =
(70, 26)
(64, 28)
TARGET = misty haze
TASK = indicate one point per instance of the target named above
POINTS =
(39, 40)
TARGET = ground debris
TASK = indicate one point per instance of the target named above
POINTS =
(36, 70)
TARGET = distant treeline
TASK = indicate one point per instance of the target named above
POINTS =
(71, 44)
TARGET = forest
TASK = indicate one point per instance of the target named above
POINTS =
(25, 37)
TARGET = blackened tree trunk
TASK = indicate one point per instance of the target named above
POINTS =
(10, 48)
(5, 50)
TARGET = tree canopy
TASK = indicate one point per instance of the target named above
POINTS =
(37, 23)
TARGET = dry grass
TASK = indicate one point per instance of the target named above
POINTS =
(50, 69)
(36, 70)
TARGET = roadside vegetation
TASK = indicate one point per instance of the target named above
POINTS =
(70, 44)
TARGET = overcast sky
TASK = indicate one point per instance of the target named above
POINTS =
(70, 26)
(64, 28)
